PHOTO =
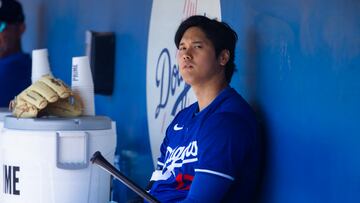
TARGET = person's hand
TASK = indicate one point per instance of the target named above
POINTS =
(47, 96)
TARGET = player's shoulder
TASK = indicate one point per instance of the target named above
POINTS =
(225, 118)
(232, 109)
(232, 101)
(233, 114)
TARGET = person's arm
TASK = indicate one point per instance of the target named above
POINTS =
(207, 188)
(223, 144)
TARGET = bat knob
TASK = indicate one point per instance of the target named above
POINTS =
(95, 156)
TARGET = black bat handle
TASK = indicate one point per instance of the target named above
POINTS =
(98, 159)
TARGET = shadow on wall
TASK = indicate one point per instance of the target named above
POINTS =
(252, 69)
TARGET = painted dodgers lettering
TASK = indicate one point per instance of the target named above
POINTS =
(173, 80)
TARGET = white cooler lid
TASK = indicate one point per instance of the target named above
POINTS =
(4, 112)
(56, 123)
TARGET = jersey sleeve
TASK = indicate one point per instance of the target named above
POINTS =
(207, 188)
(223, 143)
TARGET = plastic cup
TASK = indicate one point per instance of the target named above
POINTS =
(40, 64)
(82, 83)
(81, 72)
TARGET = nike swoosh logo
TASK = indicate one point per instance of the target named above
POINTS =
(176, 127)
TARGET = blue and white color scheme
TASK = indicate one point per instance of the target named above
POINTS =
(309, 105)
(220, 140)
(166, 91)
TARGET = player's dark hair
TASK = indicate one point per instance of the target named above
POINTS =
(221, 35)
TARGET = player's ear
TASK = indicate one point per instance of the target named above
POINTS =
(224, 57)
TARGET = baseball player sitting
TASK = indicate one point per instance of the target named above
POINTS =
(15, 65)
(210, 152)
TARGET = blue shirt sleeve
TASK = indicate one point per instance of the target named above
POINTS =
(207, 188)
(224, 142)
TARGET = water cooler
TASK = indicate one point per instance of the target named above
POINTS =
(46, 160)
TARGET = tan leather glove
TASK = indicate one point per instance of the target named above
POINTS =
(47, 96)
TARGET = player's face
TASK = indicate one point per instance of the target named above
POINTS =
(10, 39)
(197, 59)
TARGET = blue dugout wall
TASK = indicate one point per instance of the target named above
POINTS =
(298, 65)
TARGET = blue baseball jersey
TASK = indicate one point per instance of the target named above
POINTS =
(221, 140)
(15, 76)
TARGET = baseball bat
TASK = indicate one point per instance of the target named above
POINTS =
(98, 159)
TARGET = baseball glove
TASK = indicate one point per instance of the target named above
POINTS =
(47, 96)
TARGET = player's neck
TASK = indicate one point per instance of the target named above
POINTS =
(11, 51)
(208, 92)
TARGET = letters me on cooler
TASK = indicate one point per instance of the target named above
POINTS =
(46, 160)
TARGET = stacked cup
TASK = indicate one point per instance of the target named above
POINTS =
(82, 83)
(40, 64)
